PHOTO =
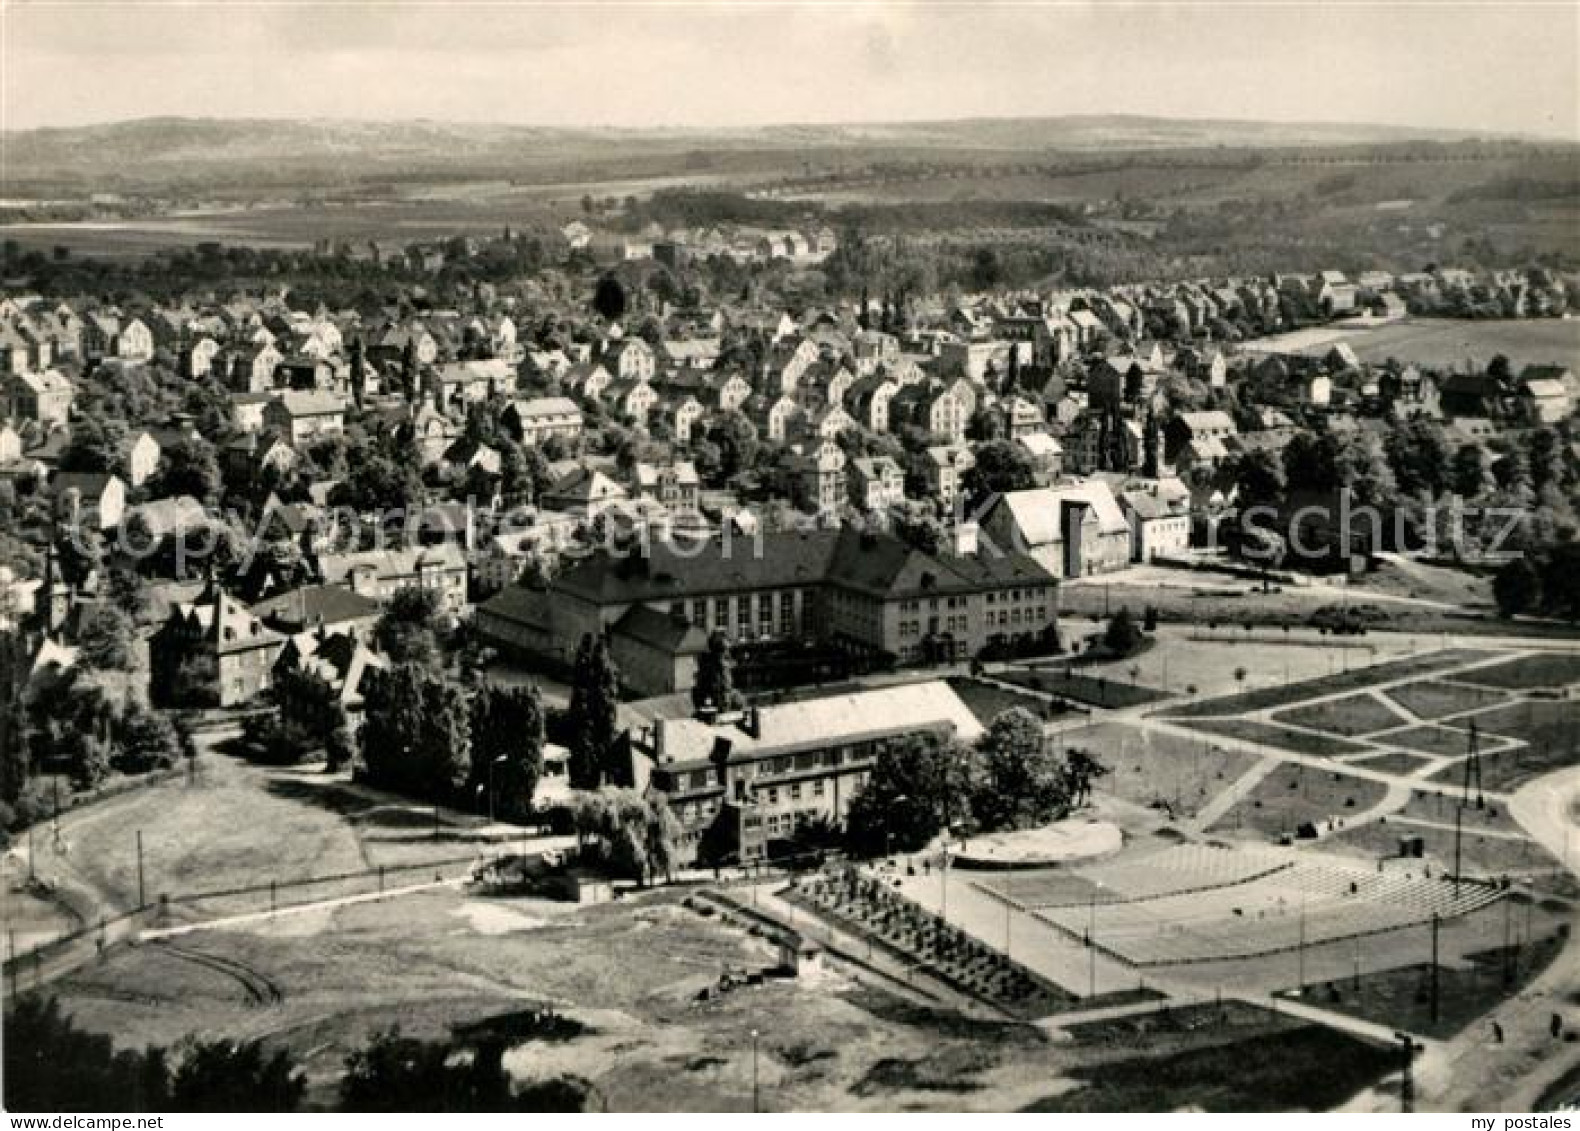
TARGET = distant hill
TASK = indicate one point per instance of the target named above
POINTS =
(195, 150)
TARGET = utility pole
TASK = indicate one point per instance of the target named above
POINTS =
(1407, 1079)
(1435, 923)
(1508, 942)
(1091, 946)
(1459, 835)
(1300, 948)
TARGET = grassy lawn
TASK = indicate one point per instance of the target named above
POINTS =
(1439, 804)
(1431, 700)
(1212, 603)
(987, 701)
(1428, 740)
(1548, 726)
(1484, 856)
(1352, 715)
(1393, 762)
(1402, 997)
(1357, 679)
(1149, 767)
(1558, 670)
(1095, 691)
(1292, 795)
(1301, 742)
(1267, 1072)
(228, 830)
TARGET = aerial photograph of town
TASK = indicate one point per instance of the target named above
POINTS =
(812, 558)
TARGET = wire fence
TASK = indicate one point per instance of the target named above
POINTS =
(217, 903)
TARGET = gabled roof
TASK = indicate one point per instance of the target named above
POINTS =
(1037, 513)
(673, 635)
(315, 605)
(824, 721)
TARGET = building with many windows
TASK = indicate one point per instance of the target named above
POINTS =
(738, 781)
(872, 594)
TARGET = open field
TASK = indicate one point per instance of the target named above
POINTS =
(1549, 729)
(1293, 795)
(1528, 672)
(987, 701)
(1425, 581)
(1393, 762)
(1355, 715)
(1484, 855)
(1095, 691)
(434, 962)
(1254, 1073)
(1155, 768)
(1466, 991)
(1270, 734)
(1182, 657)
(1203, 600)
(1356, 679)
(1438, 804)
(1440, 343)
(1428, 739)
(1432, 700)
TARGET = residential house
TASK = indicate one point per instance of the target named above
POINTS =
(1072, 530)
(946, 466)
(675, 484)
(214, 633)
(380, 574)
(820, 477)
(298, 417)
(44, 396)
(535, 420)
(876, 484)
(1159, 526)
(92, 500)
(584, 492)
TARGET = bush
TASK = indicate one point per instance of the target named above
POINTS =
(149, 741)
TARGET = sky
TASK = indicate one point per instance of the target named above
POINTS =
(1509, 67)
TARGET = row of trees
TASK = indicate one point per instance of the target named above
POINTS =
(428, 735)
(1011, 778)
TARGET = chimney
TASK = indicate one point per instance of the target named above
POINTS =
(751, 721)
(963, 539)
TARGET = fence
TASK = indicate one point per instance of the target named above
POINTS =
(275, 895)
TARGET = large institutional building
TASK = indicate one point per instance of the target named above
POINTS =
(870, 592)
(752, 777)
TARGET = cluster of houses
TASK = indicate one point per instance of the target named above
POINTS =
(1084, 386)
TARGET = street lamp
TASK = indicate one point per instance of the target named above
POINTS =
(756, 1095)
(491, 766)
